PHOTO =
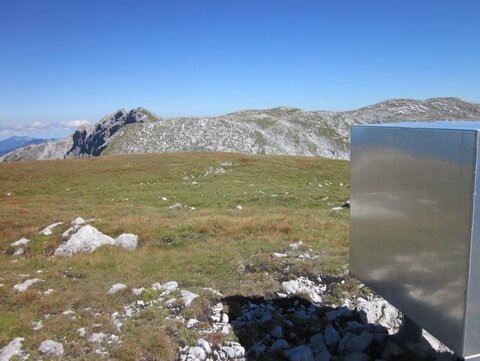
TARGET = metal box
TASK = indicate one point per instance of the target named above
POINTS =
(415, 224)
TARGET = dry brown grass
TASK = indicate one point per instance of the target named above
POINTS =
(214, 246)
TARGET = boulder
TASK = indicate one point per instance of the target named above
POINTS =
(51, 348)
(127, 241)
(87, 239)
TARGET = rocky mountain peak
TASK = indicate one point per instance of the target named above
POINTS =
(88, 141)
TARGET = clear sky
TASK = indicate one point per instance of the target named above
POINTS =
(63, 62)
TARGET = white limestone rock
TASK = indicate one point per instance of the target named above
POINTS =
(304, 285)
(188, 297)
(20, 251)
(378, 311)
(21, 242)
(127, 241)
(22, 287)
(14, 348)
(138, 291)
(205, 345)
(97, 337)
(81, 332)
(197, 353)
(87, 239)
(51, 348)
(49, 230)
(117, 287)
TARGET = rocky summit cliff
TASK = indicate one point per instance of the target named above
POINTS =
(283, 130)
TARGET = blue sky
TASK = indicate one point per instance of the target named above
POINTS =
(63, 62)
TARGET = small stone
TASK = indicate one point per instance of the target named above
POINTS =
(343, 311)
(97, 337)
(48, 292)
(239, 207)
(331, 336)
(191, 322)
(197, 353)
(116, 288)
(277, 332)
(21, 242)
(127, 241)
(14, 348)
(300, 353)
(138, 291)
(81, 332)
(22, 287)
(52, 348)
(188, 297)
(351, 343)
(37, 325)
(49, 230)
(280, 344)
(205, 345)
(20, 251)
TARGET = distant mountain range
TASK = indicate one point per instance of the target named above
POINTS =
(283, 130)
(15, 142)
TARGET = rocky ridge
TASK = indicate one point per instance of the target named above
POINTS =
(282, 130)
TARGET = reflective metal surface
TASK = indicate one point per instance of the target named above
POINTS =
(414, 234)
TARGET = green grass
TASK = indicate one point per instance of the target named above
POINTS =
(216, 245)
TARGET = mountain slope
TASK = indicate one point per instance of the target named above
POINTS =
(15, 142)
(47, 150)
(283, 130)
(92, 141)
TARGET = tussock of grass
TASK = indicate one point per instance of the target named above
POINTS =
(216, 245)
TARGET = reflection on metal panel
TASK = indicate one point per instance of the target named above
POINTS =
(411, 220)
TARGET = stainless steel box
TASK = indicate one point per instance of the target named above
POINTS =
(415, 224)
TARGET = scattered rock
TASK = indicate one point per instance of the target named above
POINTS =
(97, 337)
(116, 288)
(205, 345)
(304, 285)
(49, 230)
(378, 311)
(331, 336)
(300, 353)
(239, 207)
(138, 291)
(188, 297)
(21, 242)
(37, 325)
(352, 343)
(87, 239)
(14, 348)
(127, 241)
(75, 225)
(280, 345)
(197, 353)
(22, 287)
(296, 245)
(81, 332)
(336, 209)
(51, 348)
(20, 251)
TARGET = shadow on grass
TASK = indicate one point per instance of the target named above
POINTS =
(266, 328)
